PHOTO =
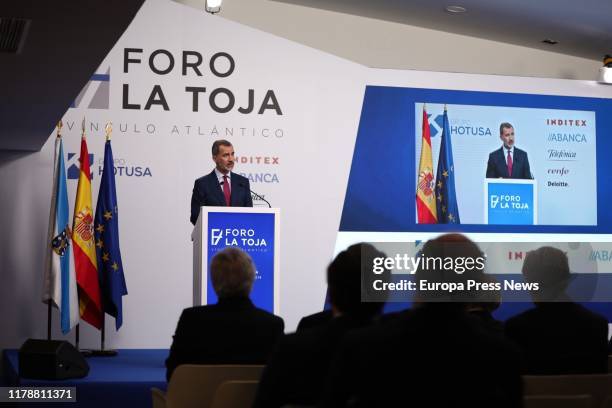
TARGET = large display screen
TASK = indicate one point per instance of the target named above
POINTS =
(561, 174)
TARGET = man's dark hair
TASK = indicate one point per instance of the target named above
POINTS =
(453, 247)
(344, 280)
(217, 143)
(549, 267)
(505, 125)
(232, 273)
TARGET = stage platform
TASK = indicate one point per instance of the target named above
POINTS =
(121, 381)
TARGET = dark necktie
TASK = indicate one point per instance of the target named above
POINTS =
(509, 164)
(226, 191)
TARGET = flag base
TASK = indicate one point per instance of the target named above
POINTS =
(102, 353)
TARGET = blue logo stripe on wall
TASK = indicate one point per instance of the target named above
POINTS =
(100, 77)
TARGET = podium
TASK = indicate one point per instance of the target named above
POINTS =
(510, 201)
(254, 230)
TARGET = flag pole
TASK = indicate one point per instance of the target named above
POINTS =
(103, 352)
(49, 306)
(48, 320)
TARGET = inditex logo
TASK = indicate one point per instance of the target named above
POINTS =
(95, 94)
(271, 160)
(567, 122)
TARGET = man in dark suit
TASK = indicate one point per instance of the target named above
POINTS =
(233, 331)
(508, 161)
(558, 336)
(221, 187)
(298, 367)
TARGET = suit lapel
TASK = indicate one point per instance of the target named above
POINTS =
(216, 188)
(502, 162)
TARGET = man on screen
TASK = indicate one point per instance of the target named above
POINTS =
(508, 161)
(221, 187)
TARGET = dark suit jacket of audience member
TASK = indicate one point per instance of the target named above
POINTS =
(489, 323)
(431, 357)
(315, 320)
(561, 338)
(297, 369)
(233, 331)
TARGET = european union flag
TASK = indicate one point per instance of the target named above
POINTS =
(446, 195)
(110, 267)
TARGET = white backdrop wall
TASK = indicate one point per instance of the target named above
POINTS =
(320, 97)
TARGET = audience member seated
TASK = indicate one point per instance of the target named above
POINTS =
(489, 301)
(232, 331)
(298, 368)
(558, 336)
(314, 320)
(435, 356)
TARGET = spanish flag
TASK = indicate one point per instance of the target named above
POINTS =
(84, 246)
(425, 196)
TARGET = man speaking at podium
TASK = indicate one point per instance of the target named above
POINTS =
(508, 161)
(221, 187)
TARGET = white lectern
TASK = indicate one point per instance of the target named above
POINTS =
(254, 230)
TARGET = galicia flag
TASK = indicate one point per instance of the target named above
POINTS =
(59, 276)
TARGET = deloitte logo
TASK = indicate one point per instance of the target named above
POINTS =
(244, 237)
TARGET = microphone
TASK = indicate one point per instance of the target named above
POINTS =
(258, 196)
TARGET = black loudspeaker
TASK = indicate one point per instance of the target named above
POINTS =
(51, 360)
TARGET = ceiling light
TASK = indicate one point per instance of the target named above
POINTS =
(605, 72)
(456, 9)
(213, 6)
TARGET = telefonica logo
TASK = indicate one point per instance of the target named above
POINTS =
(95, 94)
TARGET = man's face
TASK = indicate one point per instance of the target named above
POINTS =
(507, 136)
(225, 159)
